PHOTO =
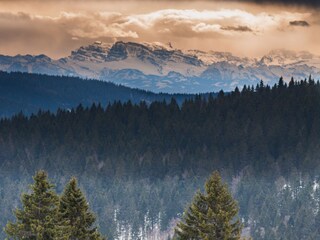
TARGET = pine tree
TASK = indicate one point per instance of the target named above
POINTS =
(211, 216)
(74, 209)
(37, 220)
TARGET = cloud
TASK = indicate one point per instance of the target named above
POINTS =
(309, 3)
(177, 22)
(282, 2)
(57, 34)
(223, 21)
(299, 23)
(94, 25)
(237, 29)
(203, 27)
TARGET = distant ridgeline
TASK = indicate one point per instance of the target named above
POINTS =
(30, 92)
(139, 161)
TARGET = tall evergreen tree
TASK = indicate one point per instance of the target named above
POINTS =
(37, 220)
(211, 216)
(74, 209)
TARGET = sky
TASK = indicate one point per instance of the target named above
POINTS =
(244, 27)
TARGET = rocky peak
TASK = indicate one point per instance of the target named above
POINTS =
(97, 52)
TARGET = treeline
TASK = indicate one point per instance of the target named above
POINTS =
(273, 130)
(145, 159)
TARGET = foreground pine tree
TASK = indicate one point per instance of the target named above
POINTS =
(74, 209)
(38, 218)
(211, 216)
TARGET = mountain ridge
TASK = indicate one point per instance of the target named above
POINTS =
(159, 67)
(29, 93)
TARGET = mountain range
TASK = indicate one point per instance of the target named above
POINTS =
(160, 67)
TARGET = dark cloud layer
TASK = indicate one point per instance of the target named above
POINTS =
(310, 3)
(300, 23)
(237, 28)
(314, 3)
(291, 2)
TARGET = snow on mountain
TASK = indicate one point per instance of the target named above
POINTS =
(155, 59)
(212, 57)
(285, 57)
(162, 68)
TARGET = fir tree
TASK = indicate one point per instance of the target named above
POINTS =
(211, 216)
(74, 209)
(37, 220)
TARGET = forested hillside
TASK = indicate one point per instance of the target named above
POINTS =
(141, 163)
(30, 92)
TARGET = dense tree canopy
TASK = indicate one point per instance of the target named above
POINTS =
(211, 216)
(268, 129)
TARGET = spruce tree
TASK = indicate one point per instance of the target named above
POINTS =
(211, 216)
(37, 220)
(74, 209)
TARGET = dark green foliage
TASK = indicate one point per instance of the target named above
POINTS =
(45, 216)
(211, 216)
(38, 220)
(74, 210)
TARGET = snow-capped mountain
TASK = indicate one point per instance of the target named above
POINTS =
(285, 57)
(162, 68)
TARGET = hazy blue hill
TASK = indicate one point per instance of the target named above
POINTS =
(30, 92)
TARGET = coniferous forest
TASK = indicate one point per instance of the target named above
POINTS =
(45, 215)
(139, 165)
